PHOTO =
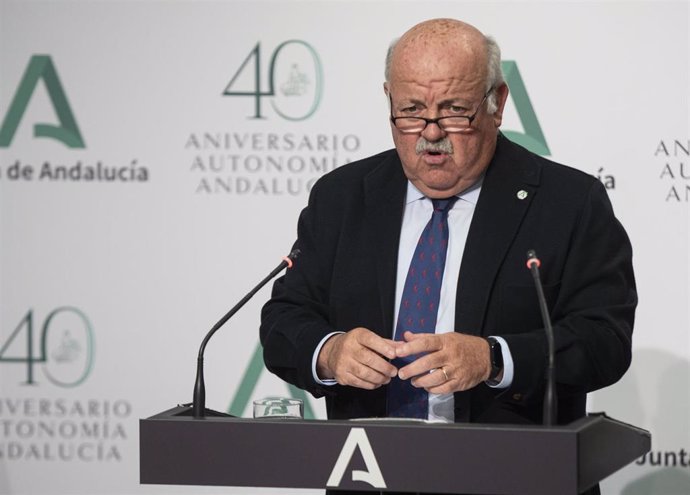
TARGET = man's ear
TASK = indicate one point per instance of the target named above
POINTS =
(501, 98)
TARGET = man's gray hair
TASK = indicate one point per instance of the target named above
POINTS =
(494, 71)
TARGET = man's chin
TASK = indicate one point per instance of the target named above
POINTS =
(437, 189)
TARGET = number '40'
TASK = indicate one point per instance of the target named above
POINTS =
(254, 58)
(25, 329)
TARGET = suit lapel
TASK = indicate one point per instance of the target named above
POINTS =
(509, 186)
(384, 193)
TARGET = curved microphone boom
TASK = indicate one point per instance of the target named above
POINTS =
(550, 404)
(199, 400)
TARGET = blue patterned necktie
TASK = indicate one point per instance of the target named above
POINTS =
(419, 307)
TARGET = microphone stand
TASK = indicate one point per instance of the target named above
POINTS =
(550, 404)
(199, 398)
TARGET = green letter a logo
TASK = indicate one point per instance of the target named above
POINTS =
(532, 138)
(41, 67)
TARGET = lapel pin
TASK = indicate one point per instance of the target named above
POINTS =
(522, 194)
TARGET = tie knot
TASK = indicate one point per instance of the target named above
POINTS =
(445, 204)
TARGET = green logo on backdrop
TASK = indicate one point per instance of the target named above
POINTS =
(41, 68)
(295, 80)
(65, 347)
(248, 384)
(533, 137)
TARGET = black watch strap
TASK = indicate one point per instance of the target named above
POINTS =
(496, 356)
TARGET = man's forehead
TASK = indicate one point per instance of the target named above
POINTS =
(446, 65)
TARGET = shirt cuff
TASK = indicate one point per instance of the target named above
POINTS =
(508, 366)
(328, 381)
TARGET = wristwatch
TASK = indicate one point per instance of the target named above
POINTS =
(496, 356)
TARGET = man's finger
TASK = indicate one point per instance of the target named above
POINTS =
(378, 344)
(376, 362)
(359, 375)
(418, 344)
(419, 367)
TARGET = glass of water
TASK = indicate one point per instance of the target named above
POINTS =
(279, 408)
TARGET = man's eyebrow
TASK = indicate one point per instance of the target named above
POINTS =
(416, 101)
(456, 100)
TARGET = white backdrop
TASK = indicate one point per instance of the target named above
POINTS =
(122, 278)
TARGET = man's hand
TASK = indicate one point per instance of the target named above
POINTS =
(358, 358)
(452, 362)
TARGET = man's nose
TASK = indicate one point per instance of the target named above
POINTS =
(433, 132)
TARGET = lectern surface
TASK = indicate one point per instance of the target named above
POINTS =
(364, 455)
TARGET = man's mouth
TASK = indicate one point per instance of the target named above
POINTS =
(434, 157)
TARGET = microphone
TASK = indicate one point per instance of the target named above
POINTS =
(199, 399)
(550, 404)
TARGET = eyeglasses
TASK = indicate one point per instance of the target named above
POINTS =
(451, 123)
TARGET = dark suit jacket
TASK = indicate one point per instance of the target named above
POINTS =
(345, 278)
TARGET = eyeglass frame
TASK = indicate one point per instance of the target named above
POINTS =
(470, 118)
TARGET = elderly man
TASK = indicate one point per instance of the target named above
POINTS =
(411, 297)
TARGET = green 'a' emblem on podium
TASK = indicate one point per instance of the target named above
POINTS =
(533, 137)
(41, 68)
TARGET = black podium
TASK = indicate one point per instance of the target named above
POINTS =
(385, 455)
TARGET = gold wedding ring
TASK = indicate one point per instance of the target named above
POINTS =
(444, 373)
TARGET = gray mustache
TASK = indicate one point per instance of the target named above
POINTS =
(442, 146)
